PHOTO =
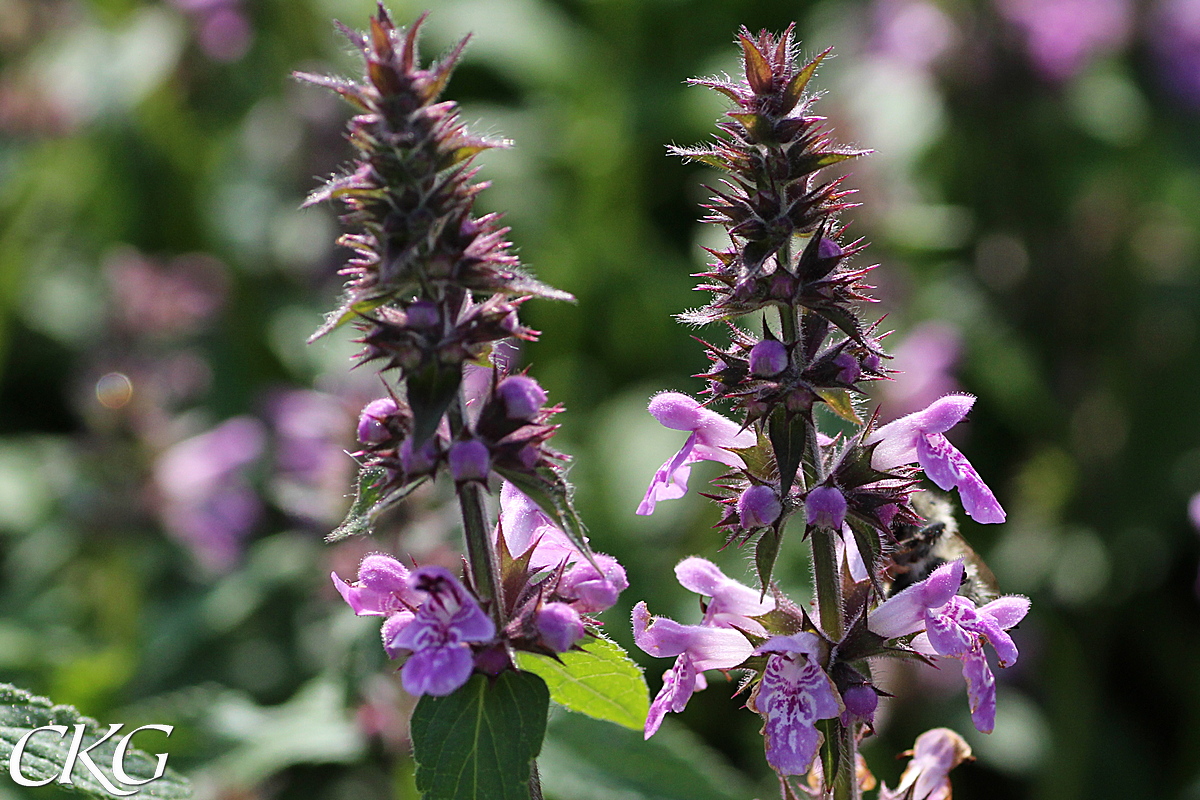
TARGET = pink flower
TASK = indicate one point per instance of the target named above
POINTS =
(716, 643)
(794, 693)
(711, 438)
(918, 438)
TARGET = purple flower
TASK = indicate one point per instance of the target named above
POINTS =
(382, 587)
(758, 507)
(794, 693)
(208, 502)
(560, 626)
(716, 643)
(372, 421)
(1062, 36)
(927, 776)
(440, 635)
(918, 437)
(826, 507)
(525, 526)
(952, 626)
(711, 437)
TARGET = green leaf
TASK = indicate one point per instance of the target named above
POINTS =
(759, 460)
(787, 434)
(369, 502)
(45, 753)
(350, 309)
(478, 743)
(602, 681)
(839, 402)
(430, 392)
(766, 550)
(585, 759)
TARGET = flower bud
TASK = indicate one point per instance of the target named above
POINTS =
(828, 248)
(469, 460)
(372, 422)
(758, 507)
(848, 369)
(590, 590)
(768, 358)
(523, 398)
(860, 701)
(560, 626)
(423, 314)
(420, 460)
(826, 507)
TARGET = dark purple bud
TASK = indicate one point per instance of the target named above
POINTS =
(758, 507)
(522, 397)
(828, 248)
(560, 626)
(872, 362)
(529, 456)
(372, 427)
(783, 287)
(826, 507)
(423, 314)
(511, 322)
(861, 702)
(421, 460)
(469, 460)
(768, 358)
(848, 370)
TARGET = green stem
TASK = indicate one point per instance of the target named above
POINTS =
(481, 556)
(845, 786)
(535, 782)
(827, 577)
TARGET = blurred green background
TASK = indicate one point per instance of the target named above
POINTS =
(171, 451)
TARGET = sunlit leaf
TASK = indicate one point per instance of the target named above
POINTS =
(601, 681)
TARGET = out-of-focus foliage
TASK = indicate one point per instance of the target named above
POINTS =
(172, 453)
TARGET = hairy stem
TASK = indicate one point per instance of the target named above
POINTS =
(481, 557)
(828, 583)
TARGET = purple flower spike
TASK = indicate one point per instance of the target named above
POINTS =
(918, 438)
(560, 626)
(523, 398)
(440, 635)
(372, 427)
(794, 693)
(469, 461)
(826, 507)
(758, 507)
(768, 358)
(711, 437)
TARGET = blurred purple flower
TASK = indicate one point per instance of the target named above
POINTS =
(794, 693)
(716, 643)
(711, 437)
(927, 776)
(311, 465)
(222, 29)
(925, 360)
(149, 299)
(1062, 36)
(915, 32)
(207, 501)
(440, 635)
(1174, 34)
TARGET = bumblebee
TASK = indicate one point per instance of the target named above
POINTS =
(922, 549)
